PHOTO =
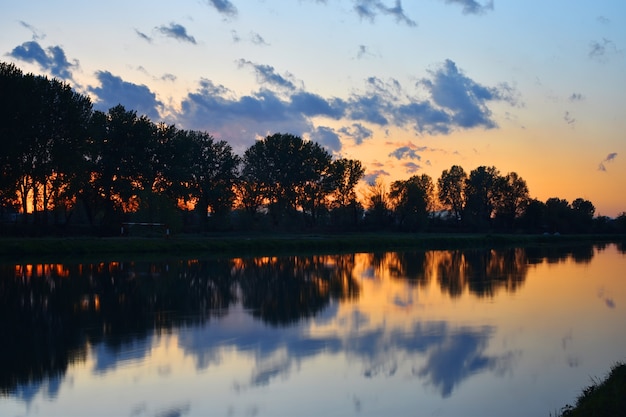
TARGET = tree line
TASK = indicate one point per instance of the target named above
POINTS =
(66, 166)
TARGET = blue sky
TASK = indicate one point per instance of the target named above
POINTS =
(405, 87)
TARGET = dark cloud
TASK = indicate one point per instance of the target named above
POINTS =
(569, 119)
(363, 52)
(311, 105)
(327, 137)
(176, 31)
(357, 132)
(449, 101)
(267, 74)
(411, 167)
(114, 91)
(168, 77)
(472, 6)
(240, 119)
(225, 7)
(371, 177)
(405, 152)
(52, 59)
(369, 9)
(143, 36)
(609, 158)
(463, 100)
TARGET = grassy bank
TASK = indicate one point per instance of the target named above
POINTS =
(605, 398)
(12, 248)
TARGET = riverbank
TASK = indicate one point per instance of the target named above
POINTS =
(605, 398)
(11, 248)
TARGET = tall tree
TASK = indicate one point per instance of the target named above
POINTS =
(285, 168)
(512, 199)
(345, 207)
(483, 190)
(451, 190)
(411, 201)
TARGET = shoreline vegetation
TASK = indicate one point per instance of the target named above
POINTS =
(273, 244)
(603, 398)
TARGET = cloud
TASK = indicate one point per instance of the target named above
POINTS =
(609, 158)
(311, 105)
(449, 100)
(363, 52)
(36, 33)
(114, 91)
(143, 36)
(457, 101)
(405, 152)
(603, 20)
(357, 132)
(411, 167)
(327, 137)
(600, 51)
(52, 59)
(267, 74)
(257, 39)
(568, 118)
(224, 7)
(576, 97)
(235, 36)
(176, 31)
(371, 176)
(369, 9)
(240, 119)
(472, 6)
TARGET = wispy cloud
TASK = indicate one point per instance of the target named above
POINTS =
(369, 9)
(113, 90)
(176, 31)
(569, 119)
(601, 50)
(609, 158)
(257, 39)
(371, 177)
(224, 7)
(143, 36)
(472, 6)
(51, 59)
(405, 152)
(267, 74)
(411, 167)
(36, 33)
(576, 97)
(356, 132)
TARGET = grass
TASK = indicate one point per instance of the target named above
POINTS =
(606, 398)
(270, 244)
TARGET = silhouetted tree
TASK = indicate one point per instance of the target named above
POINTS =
(411, 201)
(513, 197)
(451, 190)
(346, 210)
(483, 191)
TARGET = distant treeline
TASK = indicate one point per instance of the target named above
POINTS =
(67, 168)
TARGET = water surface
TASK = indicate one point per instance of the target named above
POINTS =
(513, 332)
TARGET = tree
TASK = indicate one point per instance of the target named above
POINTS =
(557, 215)
(289, 172)
(582, 215)
(483, 190)
(411, 201)
(451, 194)
(377, 214)
(345, 208)
(512, 198)
(214, 170)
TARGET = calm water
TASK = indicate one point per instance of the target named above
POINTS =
(514, 332)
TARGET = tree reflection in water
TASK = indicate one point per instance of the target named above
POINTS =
(51, 313)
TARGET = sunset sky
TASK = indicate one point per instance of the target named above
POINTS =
(406, 87)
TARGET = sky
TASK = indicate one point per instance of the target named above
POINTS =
(406, 87)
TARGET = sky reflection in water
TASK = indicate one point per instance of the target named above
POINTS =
(500, 332)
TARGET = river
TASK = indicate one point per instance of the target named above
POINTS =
(502, 332)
